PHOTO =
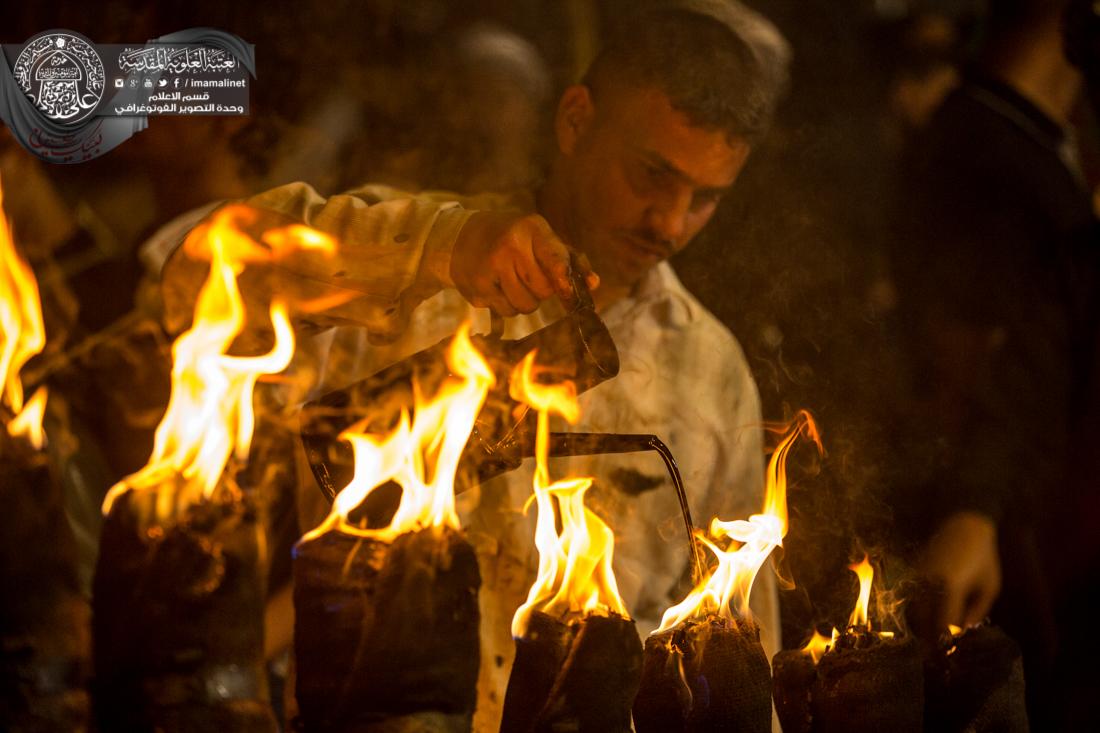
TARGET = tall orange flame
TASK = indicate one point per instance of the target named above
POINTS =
(726, 588)
(210, 415)
(574, 574)
(22, 335)
(866, 574)
(421, 456)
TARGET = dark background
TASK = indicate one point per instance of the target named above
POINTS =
(437, 94)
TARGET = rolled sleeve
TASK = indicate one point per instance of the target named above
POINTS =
(394, 251)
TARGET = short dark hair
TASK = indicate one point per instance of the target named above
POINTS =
(708, 72)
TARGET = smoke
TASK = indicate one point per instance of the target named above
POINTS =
(796, 264)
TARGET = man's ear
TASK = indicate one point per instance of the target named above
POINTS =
(574, 117)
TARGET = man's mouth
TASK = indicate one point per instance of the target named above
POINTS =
(648, 247)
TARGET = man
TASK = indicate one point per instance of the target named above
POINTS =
(998, 274)
(647, 145)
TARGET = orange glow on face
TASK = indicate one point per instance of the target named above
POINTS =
(574, 575)
(22, 335)
(210, 415)
(725, 590)
(421, 456)
(866, 574)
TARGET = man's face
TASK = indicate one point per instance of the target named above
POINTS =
(642, 180)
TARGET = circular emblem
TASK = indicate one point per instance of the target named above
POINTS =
(62, 74)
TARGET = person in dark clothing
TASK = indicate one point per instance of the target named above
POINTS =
(997, 267)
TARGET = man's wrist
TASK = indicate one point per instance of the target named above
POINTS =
(439, 249)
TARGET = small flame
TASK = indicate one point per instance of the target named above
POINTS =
(955, 630)
(210, 415)
(28, 423)
(866, 574)
(574, 574)
(421, 456)
(858, 622)
(819, 644)
(725, 589)
(22, 335)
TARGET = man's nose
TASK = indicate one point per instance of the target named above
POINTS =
(668, 216)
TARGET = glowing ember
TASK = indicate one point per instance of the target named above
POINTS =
(210, 415)
(574, 575)
(725, 589)
(421, 456)
(22, 335)
(865, 573)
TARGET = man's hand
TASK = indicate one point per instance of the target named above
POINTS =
(962, 558)
(511, 263)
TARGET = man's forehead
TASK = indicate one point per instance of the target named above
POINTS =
(651, 127)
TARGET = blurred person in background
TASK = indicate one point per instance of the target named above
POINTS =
(796, 264)
(997, 261)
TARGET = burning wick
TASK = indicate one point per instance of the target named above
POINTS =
(859, 622)
(386, 619)
(860, 680)
(578, 656)
(725, 590)
(22, 336)
(422, 455)
(210, 416)
(705, 668)
(179, 585)
(574, 575)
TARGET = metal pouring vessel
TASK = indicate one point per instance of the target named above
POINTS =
(577, 347)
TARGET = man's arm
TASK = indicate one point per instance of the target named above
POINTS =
(394, 251)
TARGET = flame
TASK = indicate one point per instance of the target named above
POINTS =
(210, 415)
(28, 423)
(819, 644)
(725, 589)
(22, 335)
(860, 619)
(866, 574)
(421, 456)
(574, 574)
(955, 630)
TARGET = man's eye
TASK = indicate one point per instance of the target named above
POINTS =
(706, 198)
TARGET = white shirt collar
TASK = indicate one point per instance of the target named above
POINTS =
(662, 294)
